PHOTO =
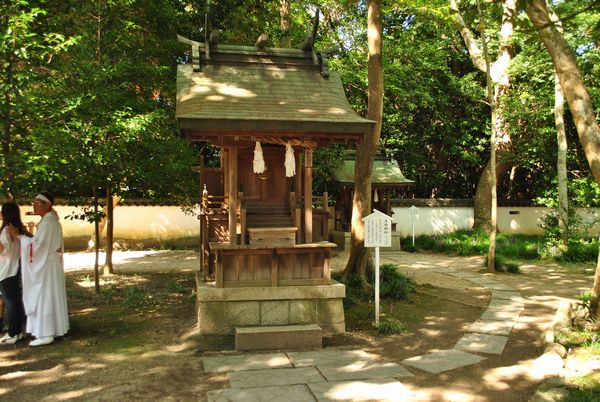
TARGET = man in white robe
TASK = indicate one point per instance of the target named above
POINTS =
(44, 291)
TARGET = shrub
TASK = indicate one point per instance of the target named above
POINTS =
(502, 265)
(394, 284)
(388, 326)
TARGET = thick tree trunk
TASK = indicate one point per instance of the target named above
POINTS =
(498, 72)
(285, 22)
(578, 98)
(357, 262)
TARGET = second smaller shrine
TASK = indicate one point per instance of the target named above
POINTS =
(385, 179)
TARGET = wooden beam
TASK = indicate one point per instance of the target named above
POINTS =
(233, 195)
(308, 224)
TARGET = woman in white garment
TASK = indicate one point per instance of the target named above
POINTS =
(10, 272)
(44, 292)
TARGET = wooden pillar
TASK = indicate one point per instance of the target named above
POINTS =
(224, 173)
(308, 224)
(243, 220)
(201, 183)
(388, 201)
(298, 178)
(325, 216)
(233, 194)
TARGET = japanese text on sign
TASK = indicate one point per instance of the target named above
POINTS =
(378, 231)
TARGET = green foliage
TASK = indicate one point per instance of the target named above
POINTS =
(134, 296)
(389, 326)
(508, 247)
(503, 265)
(586, 300)
(394, 285)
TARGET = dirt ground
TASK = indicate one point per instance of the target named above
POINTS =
(138, 338)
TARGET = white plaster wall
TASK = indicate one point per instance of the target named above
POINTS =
(522, 220)
(131, 222)
(432, 220)
(160, 223)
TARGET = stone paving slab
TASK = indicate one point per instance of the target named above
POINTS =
(493, 327)
(221, 364)
(506, 305)
(363, 371)
(283, 376)
(443, 360)
(499, 286)
(287, 393)
(331, 357)
(382, 389)
(500, 315)
(506, 294)
(466, 275)
(482, 343)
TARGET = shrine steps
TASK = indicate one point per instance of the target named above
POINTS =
(279, 337)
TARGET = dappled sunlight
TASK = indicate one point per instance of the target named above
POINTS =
(500, 378)
(369, 390)
(85, 311)
(65, 396)
(451, 393)
(431, 332)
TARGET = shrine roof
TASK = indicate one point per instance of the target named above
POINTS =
(241, 91)
(385, 173)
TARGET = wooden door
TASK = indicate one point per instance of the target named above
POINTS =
(271, 187)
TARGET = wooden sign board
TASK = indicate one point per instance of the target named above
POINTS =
(378, 229)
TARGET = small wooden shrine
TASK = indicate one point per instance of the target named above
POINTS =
(386, 177)
(264, 249)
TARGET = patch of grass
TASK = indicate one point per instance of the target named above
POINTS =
(586, 389)
(389, 326)
(574, 337)
(502, 265)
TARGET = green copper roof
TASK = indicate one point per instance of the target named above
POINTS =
(386, 173)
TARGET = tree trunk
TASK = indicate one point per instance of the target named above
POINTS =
(561, 140)
(595, 308)
(285, 22)
(96, 244)
(492, 100)
(483, 195)
(561, 161)
(108, 265)
(365, 152)
(578, 98)
(498, 71)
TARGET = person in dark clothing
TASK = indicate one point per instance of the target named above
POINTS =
(10, 273)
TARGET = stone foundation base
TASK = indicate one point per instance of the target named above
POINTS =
(342, 240)
(220, 310)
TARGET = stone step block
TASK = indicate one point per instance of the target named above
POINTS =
(281, 337)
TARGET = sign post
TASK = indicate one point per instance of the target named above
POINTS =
(414, 213)
(378, 233)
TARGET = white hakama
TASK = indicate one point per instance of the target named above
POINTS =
(44, 290)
